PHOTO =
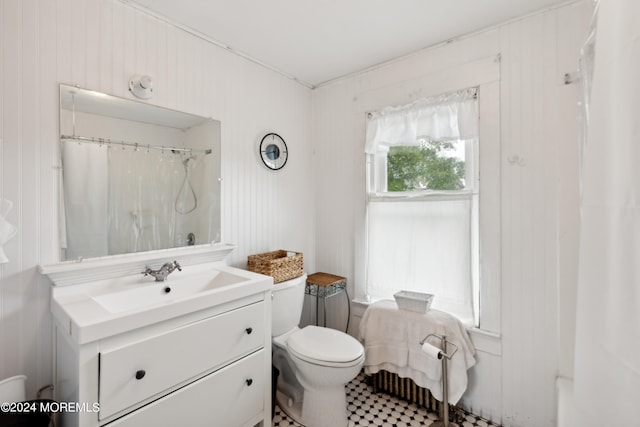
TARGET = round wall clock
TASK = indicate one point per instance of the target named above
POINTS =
(273, 151)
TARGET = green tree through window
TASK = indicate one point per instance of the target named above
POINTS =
(430, 166)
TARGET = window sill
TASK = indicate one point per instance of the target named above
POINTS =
(483, 340)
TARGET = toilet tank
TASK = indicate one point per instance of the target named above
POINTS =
(286, 308)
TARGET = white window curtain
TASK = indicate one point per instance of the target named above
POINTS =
(452, 116)
(423, 246)
(423, 241)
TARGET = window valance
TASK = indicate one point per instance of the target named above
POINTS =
(452, 116)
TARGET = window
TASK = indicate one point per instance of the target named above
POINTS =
(423, 202)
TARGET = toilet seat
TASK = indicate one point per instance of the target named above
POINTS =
(325, 346)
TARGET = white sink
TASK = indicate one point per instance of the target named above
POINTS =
(173, 289)
(101, 308)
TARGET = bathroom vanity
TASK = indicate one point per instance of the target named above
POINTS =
(193, 350)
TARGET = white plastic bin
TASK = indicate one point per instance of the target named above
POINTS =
(12, 389)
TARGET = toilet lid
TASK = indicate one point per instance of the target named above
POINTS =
(325, 345)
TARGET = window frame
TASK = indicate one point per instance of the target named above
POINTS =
(377, 178)
(483, 73)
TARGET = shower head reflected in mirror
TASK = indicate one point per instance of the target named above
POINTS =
(186, 181)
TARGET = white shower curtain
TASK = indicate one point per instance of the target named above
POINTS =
(607, 362)
(143, 186)
(121, 200)
(85, 203)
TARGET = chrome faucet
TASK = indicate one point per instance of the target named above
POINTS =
(162, 273)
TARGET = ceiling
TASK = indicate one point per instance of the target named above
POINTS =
(315, 41)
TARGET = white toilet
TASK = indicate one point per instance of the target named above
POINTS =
(315, 363)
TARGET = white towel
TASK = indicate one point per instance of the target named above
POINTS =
(392, 337)
(7, 231)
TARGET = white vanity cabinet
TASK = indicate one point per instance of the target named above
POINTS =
(208, 367)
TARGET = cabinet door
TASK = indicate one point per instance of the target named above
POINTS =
(229, 397)
(147, 368)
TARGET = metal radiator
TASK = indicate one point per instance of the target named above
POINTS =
(404, 388)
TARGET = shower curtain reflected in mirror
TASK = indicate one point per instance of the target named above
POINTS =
(127, 200)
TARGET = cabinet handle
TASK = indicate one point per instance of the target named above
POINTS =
(249, 381)
(248, 331)
(140, 374)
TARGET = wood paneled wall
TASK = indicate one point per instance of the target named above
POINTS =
(314, 204)
(514, 380)
(100, 44)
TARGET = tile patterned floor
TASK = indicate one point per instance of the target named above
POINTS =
(370, 409)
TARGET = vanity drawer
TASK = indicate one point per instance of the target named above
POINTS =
(139, 371)
(230, 397)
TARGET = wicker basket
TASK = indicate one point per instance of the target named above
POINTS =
(277, 264)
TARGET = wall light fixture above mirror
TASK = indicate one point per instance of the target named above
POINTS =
(141, 87)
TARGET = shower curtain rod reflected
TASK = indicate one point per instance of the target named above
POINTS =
(108, 141)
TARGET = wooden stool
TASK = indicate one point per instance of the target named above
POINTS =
(324, 285)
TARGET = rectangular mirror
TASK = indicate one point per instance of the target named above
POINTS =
(135, 177)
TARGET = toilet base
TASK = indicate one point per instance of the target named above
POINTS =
(289, 407)
(326, 408)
